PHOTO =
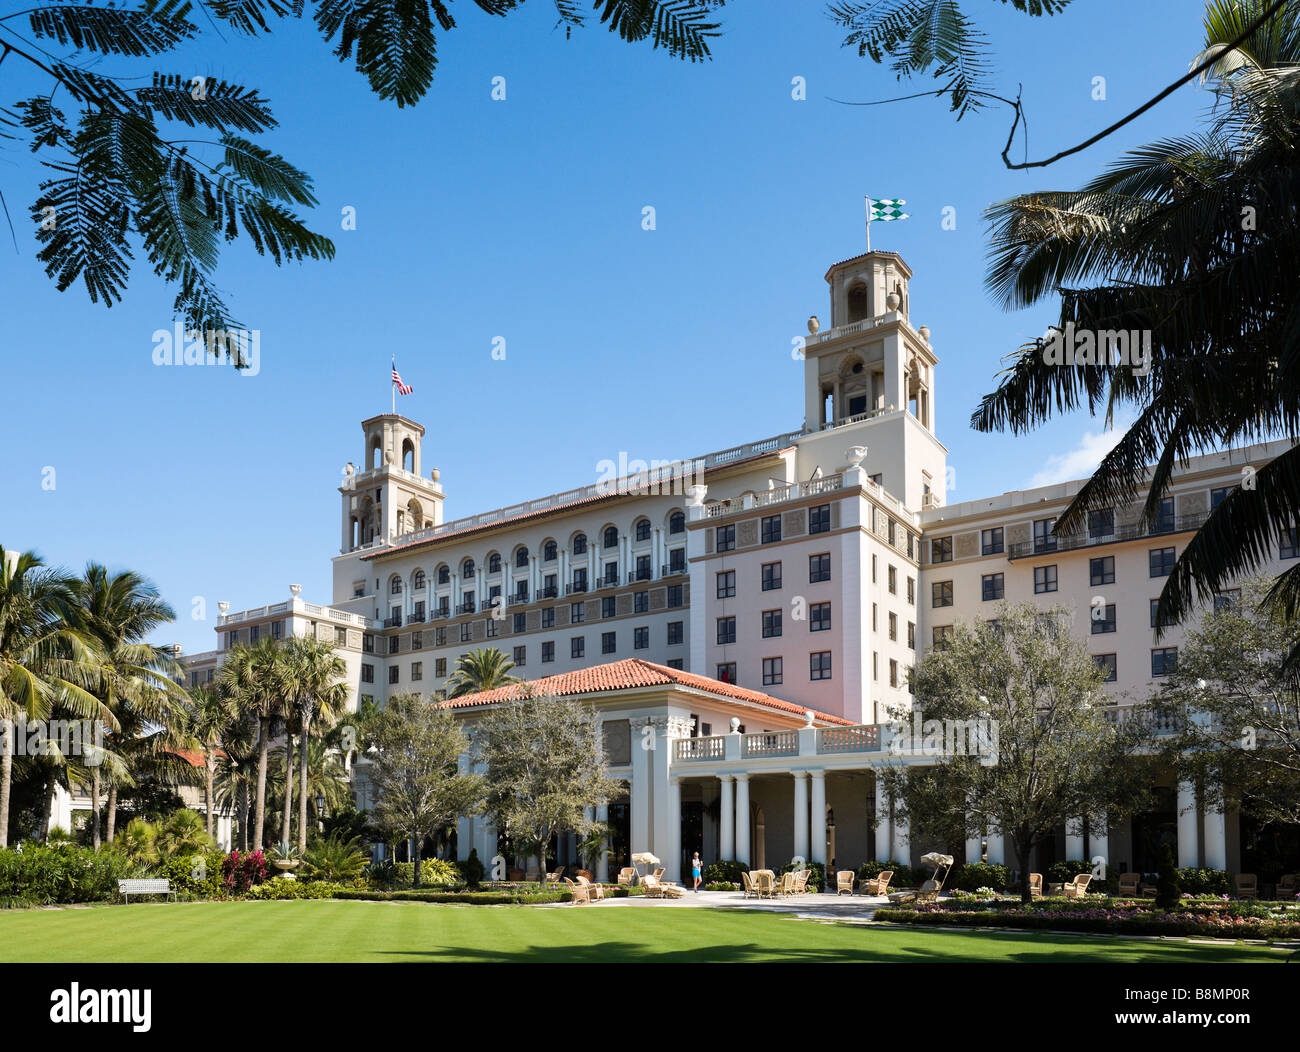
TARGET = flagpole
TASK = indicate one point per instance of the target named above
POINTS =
(868, 201)
(393, 385)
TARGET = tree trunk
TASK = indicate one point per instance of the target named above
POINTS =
(112, 810)
(416, 845)
(259, 803)
(1022, 856)
(302, 787)
(6, 778)
(43, 834)
(286, 826)
(243, 816)
(209, 775)
(94, 809)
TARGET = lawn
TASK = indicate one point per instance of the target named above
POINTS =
(333, 931)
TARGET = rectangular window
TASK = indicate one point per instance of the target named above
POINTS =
(367, 673)
(440, 637)
(674, 633)
(993, 587)
(520, 656)
(911, 636)
(940, 594)
(940, 634)
(726, 672)
(1044, 579)
(1108, 666)
(892, 580)
(677, 560)
(466, 633)
(491, 628)
(771, 623)
(893, 627)
(548, 617)
(773, 673)
(1289, 545)
(1101, 523)
(726, 584)
(255, 633)
(819, 616)
(771, 576)
(440, 667)
(726, 538)
(611, 573)
(1227, 599)
(819, 519)
(726, 630)
(1218, 496)
(640, 602)
(1101, 571)
(521, 622)
(394, 674)
(941, 550)
(991, 542)
(1103, 619)
(577, 613)
(548, 651)
(368, 644)
(819, 665)
(608, 606)
(417, 671)
(1164, 660)
(394, 644)
(675, 595)
(577, 647)
(893, 672)
(771, 529)
(1044, 541)
(608, 642)
(911, 590)
(1165, 521)
(1161, 561)
(641, 638)
(417, 640)
(1167, 622)
(819, 567)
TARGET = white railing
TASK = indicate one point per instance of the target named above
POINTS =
(860, 738)
(770, 743)
(699, 748)
(779, 495)
(294, 606)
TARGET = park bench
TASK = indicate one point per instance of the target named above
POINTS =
(147, 886)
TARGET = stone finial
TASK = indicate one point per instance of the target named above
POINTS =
(224, 607)
(924, 333)
(295, 590)
(892, 301)
(855, 455)
(735, 725)
(814, 324)
(435, 474)
(695, 496)
(808, 717)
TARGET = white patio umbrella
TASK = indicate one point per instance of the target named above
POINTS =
(643, 858)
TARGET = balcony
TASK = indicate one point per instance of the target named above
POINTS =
(862, 738)
(687, 749)
(466, 607)
(1073, 542)
(548, 592)
(638, 575)
(416, 618)
(672, 571)
(393, 622)
(770, 743)
(518, 599)
(576, 588)
(777, 495)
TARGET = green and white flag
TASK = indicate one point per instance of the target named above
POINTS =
(884, 209)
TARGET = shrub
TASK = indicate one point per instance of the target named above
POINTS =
(1065, 872)
(334, 858)
(971, 876)
(279, 888)
(1168, 888)
(903, 875)
(42, 874)
(721, 885)
(197, 876)
(243, 871)
(1205, 881)
(434, 872)
(724, 872)
(472, 869)
(817, 879)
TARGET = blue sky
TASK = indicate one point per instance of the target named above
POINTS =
(521, 219)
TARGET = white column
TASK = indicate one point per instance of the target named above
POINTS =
(817, 849)
(1216, 840)
(801, 814)
(883, 845)
(464, 834)
(727, 823)
(666, 840)
(742, 819)
(902, 841)
(975, 849)
(1099, 841)
(997, 850)
(602, 863)
(640, 791)
(1188, 842)
(1074, 838)
(671, 855)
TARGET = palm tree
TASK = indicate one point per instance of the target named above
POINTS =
(253, 676)
(236, 776)
(1192, 240)
(135, 681)
(481, 669)
(44, 664)
(316, 694)
(210, 719)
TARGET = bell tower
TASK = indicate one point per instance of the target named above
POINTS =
(387, 498)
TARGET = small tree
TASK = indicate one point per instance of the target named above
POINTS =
(1235, 708)
(545, 759)
(415, 750)
(1012, 716)
(1168, 888)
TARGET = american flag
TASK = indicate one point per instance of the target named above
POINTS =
(397, 379)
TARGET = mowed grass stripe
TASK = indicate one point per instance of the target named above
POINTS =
(324, 931)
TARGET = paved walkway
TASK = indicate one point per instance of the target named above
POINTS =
(813, 905)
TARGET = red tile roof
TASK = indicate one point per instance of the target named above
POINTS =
(628, 674)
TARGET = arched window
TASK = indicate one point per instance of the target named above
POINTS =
(521, 557)
(494, 562)
(611, 537)
(549, 551)
(395, 586)
(857, 302)
(376, 457)
(642, 529)
(418, 582)
(580, 544)
(408, 456)
(467, 569)
(677, 522)
(444, 574)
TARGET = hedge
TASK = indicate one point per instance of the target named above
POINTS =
(1098, 922)
(43, 875)
(971, 876)
(468, 898)
(903, 876)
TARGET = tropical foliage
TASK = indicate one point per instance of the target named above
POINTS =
(478, 670)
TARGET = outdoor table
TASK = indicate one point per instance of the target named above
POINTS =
(1055, 890)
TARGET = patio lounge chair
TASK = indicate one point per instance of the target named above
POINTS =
(747, 884)
(1286, 886)
(659, 873)
(1130, 885)
(928, 892)
(1035, 885)
(656, 889)
(878, 885)
(1078, 887)
(594, 891)
(844, 880)
(626, 876)
(801, 881)
(554, 878)
(1246, 885)
(581, 892)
